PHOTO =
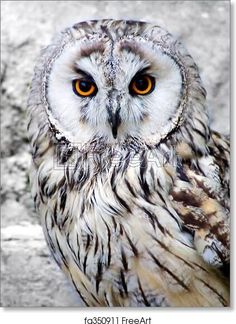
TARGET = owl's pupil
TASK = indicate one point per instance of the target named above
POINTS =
(141, 84)
(85, 85)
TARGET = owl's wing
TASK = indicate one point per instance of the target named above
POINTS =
(220, 149)
(201, 198)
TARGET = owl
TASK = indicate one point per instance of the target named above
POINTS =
(131, 183)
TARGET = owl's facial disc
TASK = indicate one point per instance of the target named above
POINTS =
(114, 91)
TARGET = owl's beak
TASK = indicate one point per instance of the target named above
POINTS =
(114, 120)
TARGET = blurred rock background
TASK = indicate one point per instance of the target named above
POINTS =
(28, 274)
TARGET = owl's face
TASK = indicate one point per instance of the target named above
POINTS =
(116, 80)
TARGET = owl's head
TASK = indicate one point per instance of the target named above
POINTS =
(116, 80)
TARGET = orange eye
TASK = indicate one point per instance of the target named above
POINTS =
(84, 88)
(142, 85)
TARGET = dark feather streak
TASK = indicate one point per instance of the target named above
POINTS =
(181, 283)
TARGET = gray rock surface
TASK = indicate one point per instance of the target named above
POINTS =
(29, 275)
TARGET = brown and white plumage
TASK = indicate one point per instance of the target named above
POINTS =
(138, 215)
